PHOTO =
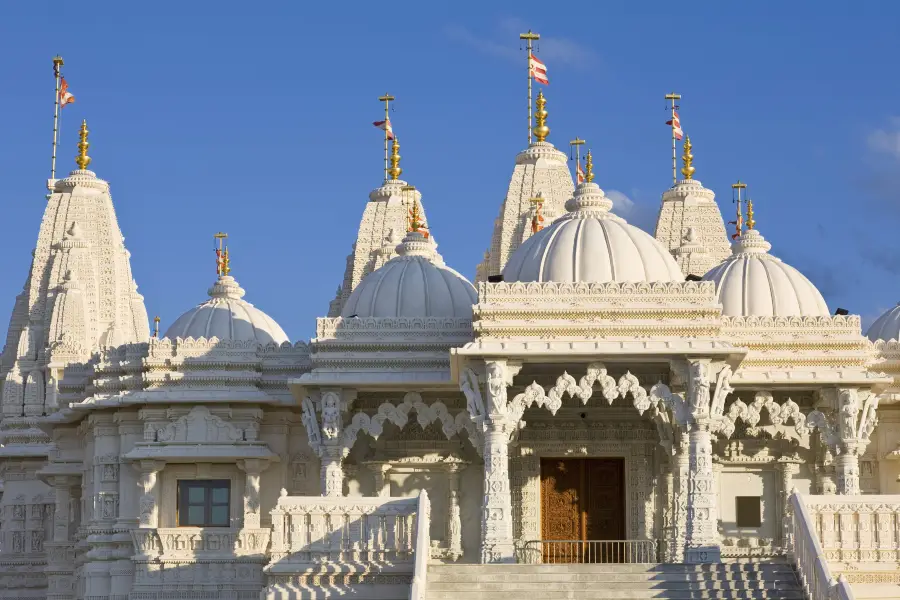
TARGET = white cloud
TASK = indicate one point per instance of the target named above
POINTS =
(504, 43)
(887, 140)
(636, 213)
(622, 204)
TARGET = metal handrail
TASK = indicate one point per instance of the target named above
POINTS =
(588, 551)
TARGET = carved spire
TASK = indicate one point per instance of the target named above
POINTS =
(688, 169)
(541, 131)
(83, 160)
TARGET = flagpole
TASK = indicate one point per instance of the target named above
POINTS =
(577, 143)
(387, 99)
(673, 97)
(57, 63)
(529, 37)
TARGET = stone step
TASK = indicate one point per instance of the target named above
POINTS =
(493, 570)
(604, 576)
(540, 586)
(616, 594)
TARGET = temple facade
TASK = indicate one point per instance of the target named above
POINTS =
(603, 395)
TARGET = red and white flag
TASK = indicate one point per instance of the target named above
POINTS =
(579, 173)
(537, 69)
(676, 125)
(65, 97)
(385, 126)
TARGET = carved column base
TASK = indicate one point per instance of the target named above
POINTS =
(702, 554)
(846, 470)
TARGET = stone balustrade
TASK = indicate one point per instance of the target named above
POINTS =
(197, 542)
(856, 529)
(368, 543)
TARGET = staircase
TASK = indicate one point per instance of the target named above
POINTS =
(735, 580)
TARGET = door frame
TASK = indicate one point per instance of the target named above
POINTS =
(640, 493)
(582, 461)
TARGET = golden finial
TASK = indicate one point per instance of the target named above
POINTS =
(589, 167)
(541, 131)
(83, 160)
(750, 222)
(156, 326)
(222, 258)
(395, 169)
(688, 169)
(415, 220)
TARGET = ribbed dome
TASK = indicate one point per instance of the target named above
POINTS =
(752, 282)
(228, 317)
(887, 326)
(414, 284)
(590, 244)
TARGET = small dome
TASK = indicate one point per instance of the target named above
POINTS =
(887, 326)
(416, 283)
(752, 282)
(590, 244)
(228, 317)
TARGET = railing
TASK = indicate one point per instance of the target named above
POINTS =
(588, 551)
(857, 529)
(314, 529)
(810, 559)
(422, 551)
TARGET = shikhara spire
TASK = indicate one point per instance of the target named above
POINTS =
(79, 295)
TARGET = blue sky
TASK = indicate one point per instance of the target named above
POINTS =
(255, 119)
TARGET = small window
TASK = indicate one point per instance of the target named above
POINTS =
(204, 503)
(749, 511)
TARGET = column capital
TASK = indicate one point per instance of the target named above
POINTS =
(147, 466)
(253, 466)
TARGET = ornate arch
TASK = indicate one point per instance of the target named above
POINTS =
(451, 425)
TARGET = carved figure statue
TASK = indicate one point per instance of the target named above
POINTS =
(331, 415)
(496, 388)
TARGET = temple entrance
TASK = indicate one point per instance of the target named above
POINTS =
(583, 510)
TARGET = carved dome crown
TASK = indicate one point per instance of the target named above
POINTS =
(414, 284)
(227, 316)
(887, 326)
(590, 244)
(752, 282)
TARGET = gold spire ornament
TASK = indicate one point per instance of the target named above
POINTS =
(222, 259)
(688, 169)
(156, 326)
(589, 167)
(750, 222)
(395, 169)
(541, 131)
(415, 222)
(83, 160)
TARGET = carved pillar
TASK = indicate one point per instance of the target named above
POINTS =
(332, 471)
(454, 520)
(148, 487)
(846, 470)
(496, 517)
(103, 553)
(680, 476)
(702, 513)
(381, 472)
(60, 549)
(252, 467)
(130, 432)
(327, 441)
(786, 471)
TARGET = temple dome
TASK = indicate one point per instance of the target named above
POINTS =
(227, 316)
(752, 282)
(590, 244)
(887, 326)
(416, 283)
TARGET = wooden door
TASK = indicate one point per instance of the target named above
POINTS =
(582, 501)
